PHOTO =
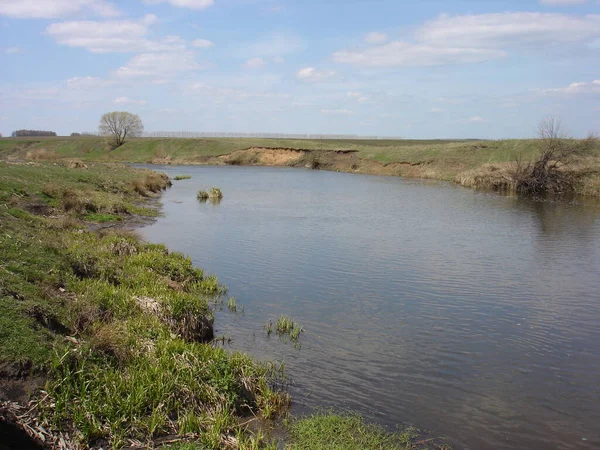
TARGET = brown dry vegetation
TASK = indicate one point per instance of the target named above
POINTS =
(152, 184)
(41, 154)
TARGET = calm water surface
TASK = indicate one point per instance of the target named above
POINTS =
(472, 315)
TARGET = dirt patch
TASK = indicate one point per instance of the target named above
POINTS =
(18, 382)
(38, 208)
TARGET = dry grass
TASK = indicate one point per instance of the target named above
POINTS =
(63, 223)
(113, 340)
(151, 184)
(489, 176)
(76, 164)
(71, 201)
(41, 154)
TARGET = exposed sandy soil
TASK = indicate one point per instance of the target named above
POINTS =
(265, 156)
(334, 160)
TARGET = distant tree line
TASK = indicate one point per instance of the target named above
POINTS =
(32, 133)
(83, 134)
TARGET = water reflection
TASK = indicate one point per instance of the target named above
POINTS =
(467, 313)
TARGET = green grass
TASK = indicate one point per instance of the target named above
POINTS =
(182, 177)
(468, 152)
(285, 325)
(202, 195)
(102, 218)
(450, 160)
(137, 363)
(328, 431)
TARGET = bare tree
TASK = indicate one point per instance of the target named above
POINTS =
(119, 125)
(549, 172)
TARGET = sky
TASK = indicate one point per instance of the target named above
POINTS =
(413, 69)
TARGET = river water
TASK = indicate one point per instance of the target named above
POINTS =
(473, 315)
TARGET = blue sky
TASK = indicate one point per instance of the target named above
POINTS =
(415, 69)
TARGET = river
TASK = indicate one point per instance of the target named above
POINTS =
(473, 315)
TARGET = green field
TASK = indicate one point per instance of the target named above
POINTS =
(465, 152)
(477, 164)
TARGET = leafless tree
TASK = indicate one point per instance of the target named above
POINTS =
(119, 125)
(549, 172)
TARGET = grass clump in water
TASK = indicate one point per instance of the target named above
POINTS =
(215, 193)
(285, 325)
(202, 195)
(182, 177)
(346, 432)
(232, 304)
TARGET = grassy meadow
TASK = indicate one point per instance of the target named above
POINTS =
(471, 163)
(467, 153)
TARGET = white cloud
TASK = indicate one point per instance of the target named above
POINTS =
(278, 60)
(476, 119)
(44, 93)
(360, 98)
(476, 38)
(45, 9)
(202, 43)
(337, 112)
(255, 63)
(88, 83)
(192, 4)
(503, 30)
(112, 36)
(375, 37)
(221, 94)
(310, 74)
(406, 54)
(12, 50)
(276, 45)
(159, 65)
(436, 110)
(562, 2)
(128, 101)
(575, 89)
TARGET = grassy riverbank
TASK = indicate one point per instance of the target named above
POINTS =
(479, 164)
(116, 331)
(105, 340)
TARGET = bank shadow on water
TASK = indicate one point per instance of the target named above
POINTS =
(470, 314)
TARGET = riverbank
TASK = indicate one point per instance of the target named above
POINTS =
(475, 164)
(106, 340)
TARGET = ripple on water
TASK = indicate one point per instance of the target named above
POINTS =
(473, 315)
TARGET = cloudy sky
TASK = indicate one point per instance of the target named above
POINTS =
(416, 69)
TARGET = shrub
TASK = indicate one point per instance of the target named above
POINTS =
(215, 193)
(549, 173)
